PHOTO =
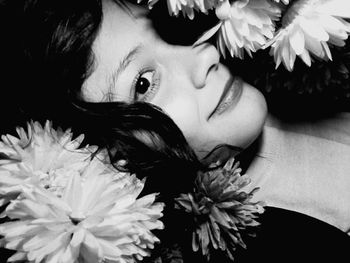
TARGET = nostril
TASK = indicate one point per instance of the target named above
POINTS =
(207, 60)
(213, 67)
(216, 66)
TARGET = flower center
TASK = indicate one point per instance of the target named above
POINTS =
(76, 217)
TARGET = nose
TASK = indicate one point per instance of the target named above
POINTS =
(206, 60)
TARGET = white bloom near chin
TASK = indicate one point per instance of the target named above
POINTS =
(245, 25)
(40, 156)
(307, 27)
(97, 219)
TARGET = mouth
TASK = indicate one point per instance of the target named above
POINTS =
(230, 96)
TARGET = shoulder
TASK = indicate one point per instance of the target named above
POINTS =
(307, 168)
(286, 236)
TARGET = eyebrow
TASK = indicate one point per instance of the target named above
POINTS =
(124, 63)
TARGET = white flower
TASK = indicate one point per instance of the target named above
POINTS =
(174, 6)
(245, 25)
(42, 156)
(98, 219)
(187, 6)
(307, 27)
(286, 2)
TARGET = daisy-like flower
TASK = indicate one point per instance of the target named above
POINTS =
(97, 219)
(40, 156)
(221, 209)
(286, 2)
(307, 27)
(245, 25)
(187, 6)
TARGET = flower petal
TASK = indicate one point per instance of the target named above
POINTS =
(208, 34)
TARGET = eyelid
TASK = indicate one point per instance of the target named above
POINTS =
(121, 68)
(148, 96)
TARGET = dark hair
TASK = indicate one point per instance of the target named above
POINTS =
(56, 37)
(57, 43)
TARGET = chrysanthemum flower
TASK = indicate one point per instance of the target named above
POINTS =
(42, 156)
(286, 2)
(98, 219)
(221, 209)
(187, 6)
(245, 25)
(307, 27)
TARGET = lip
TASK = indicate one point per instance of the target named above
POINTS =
(229, 97)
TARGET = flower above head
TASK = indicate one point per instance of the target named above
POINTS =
(244, 25)
(97, 219)
(41, 156)
(307, 27)
(187, 6)
(175, 6)
(221, 210)
(286, 2)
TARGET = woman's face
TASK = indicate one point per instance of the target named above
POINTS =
(204, 99)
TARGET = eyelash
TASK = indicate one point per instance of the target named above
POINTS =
(154, 85)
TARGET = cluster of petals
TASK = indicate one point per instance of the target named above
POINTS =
(221, 209)
(245, 25)
(187, 6)
(96, 217)
(39, 156)
(308, 27)
(286, 2)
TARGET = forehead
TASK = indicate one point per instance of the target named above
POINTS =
(119, 17)
(122, 28)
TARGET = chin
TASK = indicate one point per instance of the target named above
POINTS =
(255, 114)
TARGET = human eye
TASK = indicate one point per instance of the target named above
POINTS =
(145, 85)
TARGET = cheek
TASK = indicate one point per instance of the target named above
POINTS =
(184, 112)
(238, 128)
(244, 124)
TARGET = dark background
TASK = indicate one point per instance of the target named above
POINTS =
(305, 93)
